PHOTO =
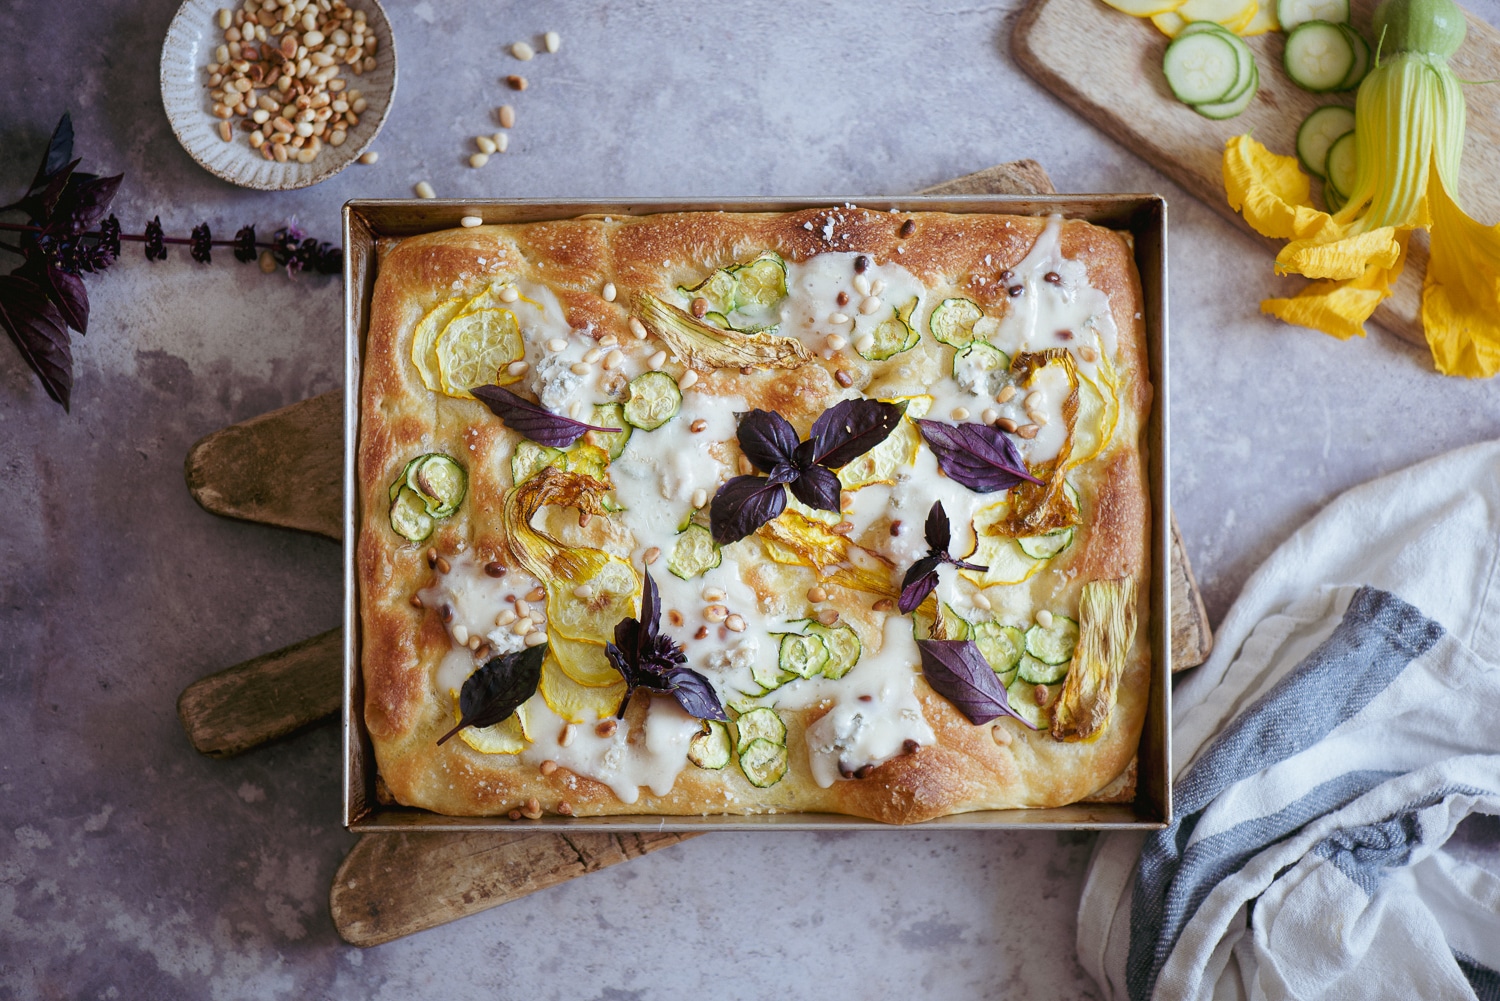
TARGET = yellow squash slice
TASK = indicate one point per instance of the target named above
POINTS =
(509, 736)
(611, 597)
(899, 450)
(574, 702)
(424, 341)
(475, 348)
(584, 662)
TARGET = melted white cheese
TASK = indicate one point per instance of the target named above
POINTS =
(653, 760)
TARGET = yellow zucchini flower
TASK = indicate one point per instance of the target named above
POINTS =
(1409, 136)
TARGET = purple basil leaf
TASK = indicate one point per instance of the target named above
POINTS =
(958, 672)
(83, 204)
(921, 577)
(742, 505)
(498, 688)
(39, 332)
(650, 613)
(767, 439)
(980, 457)
(785, 472)
(850, 428)
(59, 152)
(817, 487)
(537, 423)
(696, 695)
(960, 564)
(65, 290)
(937, 531)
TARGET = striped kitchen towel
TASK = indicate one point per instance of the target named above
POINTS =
(1347, 722)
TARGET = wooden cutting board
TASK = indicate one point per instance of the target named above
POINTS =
(392, 885)
(1107, 65)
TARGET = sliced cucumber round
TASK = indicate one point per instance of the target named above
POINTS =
(1318, 56)
(1002, 646)
(894, 335)
(760, 723)
(529, 458)
(1335, 200)
(1318, 132)
(1053, 644)
(1229, 109)
(1290, 13)
(611, 415)
(1361, 58)
(654, 400)
(710, 749)
(1341, 166)
(1246, 75)
(694, 552)
(802, 655)
(440, 481)
(1201, 67)
(763, 763)
(952, 322)
(844, 648)
(1044, 547)
(1033, 671)
(409, 517)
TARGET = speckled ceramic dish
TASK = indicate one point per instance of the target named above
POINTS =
(189, 47)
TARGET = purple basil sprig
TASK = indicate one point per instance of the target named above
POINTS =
(922, 576)
(537, 423)
(647, 658)
(979, 456)
(958, 672)
(843, 433)
(498, 688)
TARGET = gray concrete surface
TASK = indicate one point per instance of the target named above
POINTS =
(132, 868)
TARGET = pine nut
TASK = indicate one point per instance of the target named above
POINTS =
(1005, 424)
(651, 555)
(877, 286)
(579, 368)
(257, 139)
(828, 616)
(869, 304)
(502, 142)
(518, 368)
(688, 380)
(816, 595)
(535, 639)
(547, 767)
(557, 344)
(523, 607)
(609, 341)
(592, 355)
(1044, 618)
(864, 344)
(532, 810)
(507, 116)
(882, 605)
(516, 82)
(522, 51)
(1006, 395)
(861, 284)
(370, 157)
(225, 132)
(698, 426)
(606, 728)
(609, 292)
(735, 623)
(657, 360)
(990, 415)
(1033, 400)
(566, 737)
(716, 613)
(225, 18)
(1001, 735)
(279, 151)
(613, 360)
(1087, 353)
(485, 144)
(506, 617)
(1028, 430)
(981, 601)
(638, 328)
(552, 40)
(424, 190)
(835, 341)
(960, 413)
(479, 160)
(700, 497)
(838, 318)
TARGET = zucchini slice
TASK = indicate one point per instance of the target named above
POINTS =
(440, 481)
(769, 676)
(953, 625)
(695, 552)
(717, 290)
(1340, 166)
(1201, 67)
(1319, 131)
(1290, 13)
(1228, 109)
(611, 415)
(654, 400)
(894, 335)
(763, 763)
(529, 458)
(844, 648)
(762, 282)
(710, 749)
(978, 366)
(409, 517)
(400, 481)
(1361, 58)
(1021, 695)
(1002, 646)
(1318, 56)
(953, 321)
(760, 723)
(1044, 547)
(1053, 644)
(1035, 672)
(802, 655)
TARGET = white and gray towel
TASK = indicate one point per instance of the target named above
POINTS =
(1347, 721)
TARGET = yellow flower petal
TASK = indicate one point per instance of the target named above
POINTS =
(1340, 308)
(1271, 191)
(1340, 259)
(1461, 293)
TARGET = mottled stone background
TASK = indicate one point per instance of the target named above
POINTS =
(131, 867)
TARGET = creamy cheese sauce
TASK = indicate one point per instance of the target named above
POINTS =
(725, 628)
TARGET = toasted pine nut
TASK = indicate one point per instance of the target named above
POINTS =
(816, 595)
(371, 157)
(688, 380)
(651, 555)
(507, 116)
(479, 160)
(485, 144)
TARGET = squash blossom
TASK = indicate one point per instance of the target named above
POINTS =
(1409, 136)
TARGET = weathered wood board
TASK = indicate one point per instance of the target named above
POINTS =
(1107, 65)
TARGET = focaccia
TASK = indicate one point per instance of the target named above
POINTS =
(477, 544)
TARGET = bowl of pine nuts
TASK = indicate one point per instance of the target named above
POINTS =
(278, 94)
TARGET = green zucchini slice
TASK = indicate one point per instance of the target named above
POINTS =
(954, 626)
(654, 400)
(1053, 644)
(769, 676)
(1002, 646)
(762, 282)
(760, 723)
(977, 366)
(529, 458)
(695, 552)
(401, 480)
(844, 648)
(1318, 56)
(717, 290)
(1341, 165)
(409, 517)
(1021, 695)
(440, 481)
(1202, 67)
(802, 655)
(763, 763)
(953, 321)
(1319, 131)
(1035, 672)
(894, 335)
(611, 415)
(1044, 547)
(1361, 66)
(710, 749)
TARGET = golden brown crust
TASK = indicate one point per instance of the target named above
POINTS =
(968, 767)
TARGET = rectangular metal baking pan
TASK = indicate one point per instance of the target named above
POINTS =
(1143, 216)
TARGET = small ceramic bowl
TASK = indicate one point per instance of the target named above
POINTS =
(189, 47)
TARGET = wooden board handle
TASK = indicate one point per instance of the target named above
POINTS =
(392, 885)
(260, 700)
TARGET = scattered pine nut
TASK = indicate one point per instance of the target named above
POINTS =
(735, 623)
(1006, 395)
(485, 144)
(509, 294)
(638, 328)
(522, 51)
(1044, 618)
(1001, 735)
(960, 413)
(507, 116)
(547, 767)
(816, 595)
(657, 360)
(502, 142)
(552, 40)
(369, 158)
(609, 292)
(267, 261)
(651, 555)
(470, 221)
(516, 82)
(607, 727)
(479, 160)
(424, 190)
(688, 380)
(535, 638)
(869, 304)
(883, 605)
